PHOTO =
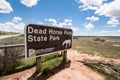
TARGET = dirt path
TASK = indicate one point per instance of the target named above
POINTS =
(7, 36)
(23, 75)
(76, 71)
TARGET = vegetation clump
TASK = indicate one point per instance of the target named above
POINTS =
(48, 62)
(7, 33)
(98, 39)
(110, 70)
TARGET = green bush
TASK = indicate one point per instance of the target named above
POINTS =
(97, 39)
(18, 65)
(50, 56)
(47, 66)
(48, 62)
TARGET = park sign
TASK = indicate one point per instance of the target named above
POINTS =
(43, 39)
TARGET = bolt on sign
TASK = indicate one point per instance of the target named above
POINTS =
(43, 39)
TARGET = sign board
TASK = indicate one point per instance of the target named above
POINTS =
(43, 39)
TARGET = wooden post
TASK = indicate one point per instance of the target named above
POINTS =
(64, 53)
(6, 62)
(38, 64)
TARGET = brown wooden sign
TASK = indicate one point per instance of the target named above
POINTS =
(43, 39)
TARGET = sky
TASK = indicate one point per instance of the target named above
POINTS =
(84, 17)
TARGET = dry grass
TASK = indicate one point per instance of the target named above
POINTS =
(106, 49)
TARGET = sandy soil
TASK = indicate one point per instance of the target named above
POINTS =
(23, 75)
(116, 45)
(76, 71)
(82, 56)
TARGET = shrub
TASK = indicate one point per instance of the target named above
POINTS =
(12, 53)
(97, 39)
(50, 56)
(47, 66)
(102, 40)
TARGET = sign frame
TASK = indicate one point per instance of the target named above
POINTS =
(25, 34)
